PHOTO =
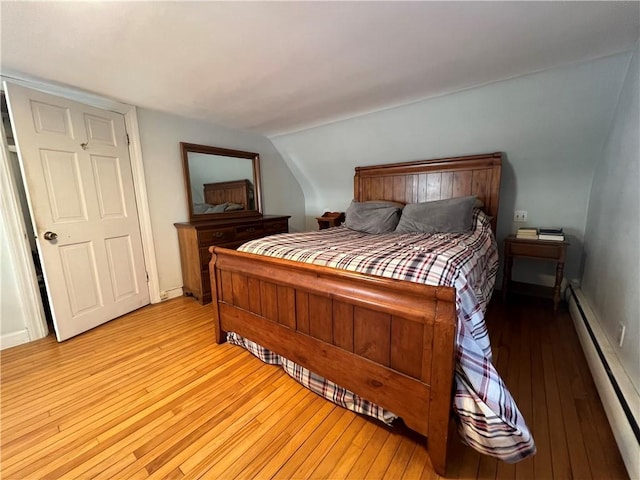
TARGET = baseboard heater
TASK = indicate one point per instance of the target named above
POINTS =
(620, 399)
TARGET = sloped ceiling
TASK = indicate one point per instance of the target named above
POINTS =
(273, 68)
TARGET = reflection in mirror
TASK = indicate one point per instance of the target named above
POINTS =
(213, 178)
(220, 182)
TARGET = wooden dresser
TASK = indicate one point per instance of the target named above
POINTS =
(195, 238)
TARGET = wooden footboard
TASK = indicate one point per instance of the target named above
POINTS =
(391, 342)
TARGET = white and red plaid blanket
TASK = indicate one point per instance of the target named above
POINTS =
(489, 419)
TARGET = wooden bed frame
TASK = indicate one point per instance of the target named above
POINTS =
(391, 342)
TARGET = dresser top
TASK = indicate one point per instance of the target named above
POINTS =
(231, 221)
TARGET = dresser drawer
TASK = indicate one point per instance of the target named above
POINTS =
(281, 226)
(215, 236)
(249, 231)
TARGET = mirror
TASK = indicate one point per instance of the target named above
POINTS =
(220, 182)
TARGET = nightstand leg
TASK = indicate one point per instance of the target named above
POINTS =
(556, 288)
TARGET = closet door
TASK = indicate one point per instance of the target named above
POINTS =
(77, 172)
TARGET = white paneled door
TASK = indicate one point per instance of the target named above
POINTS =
(77, 172)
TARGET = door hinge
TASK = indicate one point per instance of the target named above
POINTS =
(128, 141)
(147, 274)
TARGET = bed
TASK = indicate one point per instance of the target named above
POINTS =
(392, 342)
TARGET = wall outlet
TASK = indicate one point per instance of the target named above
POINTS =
(621, 330)
(520, 216)
(164, 295)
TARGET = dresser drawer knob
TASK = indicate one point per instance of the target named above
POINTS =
(219, 234)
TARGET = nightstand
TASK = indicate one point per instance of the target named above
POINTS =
(539, 249)
(330, 219)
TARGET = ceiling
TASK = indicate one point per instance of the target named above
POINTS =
(277, 67)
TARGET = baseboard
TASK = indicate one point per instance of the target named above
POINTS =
(169, 294)
(619, 398)
(14, 339)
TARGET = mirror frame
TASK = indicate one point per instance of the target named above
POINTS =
(187, 148)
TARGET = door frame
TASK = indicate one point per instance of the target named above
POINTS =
(21, 251)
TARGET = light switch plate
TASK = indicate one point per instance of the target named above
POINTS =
(520, 216)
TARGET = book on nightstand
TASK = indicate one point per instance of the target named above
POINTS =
(553, 234)
(527, 233)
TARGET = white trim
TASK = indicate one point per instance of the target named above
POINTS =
(64, 91)
(142, 201)
(19, 250)
(135, 152)
(620, 426)
(14, 339)
(173, 293)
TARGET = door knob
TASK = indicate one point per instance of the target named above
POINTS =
(50, 235)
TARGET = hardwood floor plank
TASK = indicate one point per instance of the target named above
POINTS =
(559, 450)
(267, 438)
(331, 428)
(336, 452)
(368, 455)
(379, 466)
(353, 451)
(400, 460)
(208, 433)
(150, 403)
(150, 395)
(128, 429)
(418, 463)
(342, 430)
(274, 463)
(232, 429)
(103, 456)
(524, 470)
(566, 377)
(604, 460)
(238, 442)
(470, 464)
(542, 467)
(267, 449)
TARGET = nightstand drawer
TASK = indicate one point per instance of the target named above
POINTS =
(531, 249)
(215, 236)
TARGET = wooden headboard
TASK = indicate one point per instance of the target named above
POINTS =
(235, 191)
(438, 179)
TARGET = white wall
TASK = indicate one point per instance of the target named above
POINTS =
(551, 126)
(611, 279)
(160, 135)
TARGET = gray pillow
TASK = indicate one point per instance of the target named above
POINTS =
(221, 207)
(230, 207)
(373, 217)
(208, 208)
(453, 215)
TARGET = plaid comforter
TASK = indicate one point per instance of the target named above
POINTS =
(488, 417)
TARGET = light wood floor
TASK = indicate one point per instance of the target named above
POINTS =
(151, 395)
